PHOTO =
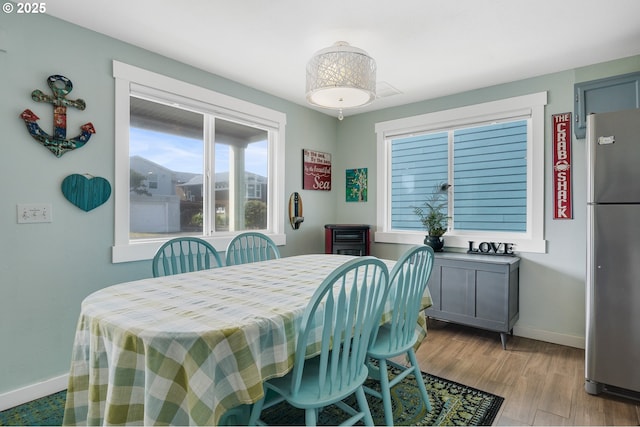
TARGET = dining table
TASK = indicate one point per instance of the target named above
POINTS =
(184, 349)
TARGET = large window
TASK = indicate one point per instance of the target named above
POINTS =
(487, 158)
(197, 163)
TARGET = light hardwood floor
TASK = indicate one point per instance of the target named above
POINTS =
(542, 383)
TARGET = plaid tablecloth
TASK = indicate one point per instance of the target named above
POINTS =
(184, 349)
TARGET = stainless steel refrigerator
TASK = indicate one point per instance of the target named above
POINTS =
(612, 356)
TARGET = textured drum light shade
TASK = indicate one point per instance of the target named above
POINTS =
(340, 77)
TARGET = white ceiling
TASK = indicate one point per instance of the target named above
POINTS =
(423, 48)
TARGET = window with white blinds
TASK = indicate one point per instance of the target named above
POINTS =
(488, 167)
(491, 158)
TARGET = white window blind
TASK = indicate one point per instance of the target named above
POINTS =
(487, 174)
(418, 164)
(490, 177)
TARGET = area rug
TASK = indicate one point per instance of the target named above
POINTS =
(452, 404)
(47, 411)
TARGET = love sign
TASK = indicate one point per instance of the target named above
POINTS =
(491, 248)
(86, 193)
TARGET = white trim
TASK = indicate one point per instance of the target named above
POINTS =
(130, 79)
(147, 249)
(548, 336)
(26, 394)
(527, 106)
(35, 391)
(31, 392)
(510, 107)
(226, 103)
(121, 179)
(460, 241)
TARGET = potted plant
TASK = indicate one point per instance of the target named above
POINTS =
(433, 216)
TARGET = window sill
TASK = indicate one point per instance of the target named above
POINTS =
(145, 250)
(462, 241)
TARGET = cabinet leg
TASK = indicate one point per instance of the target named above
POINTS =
(503, 338)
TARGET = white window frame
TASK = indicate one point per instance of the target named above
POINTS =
(128, 77)
(527, 106)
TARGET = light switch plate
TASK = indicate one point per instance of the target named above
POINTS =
(30, 213)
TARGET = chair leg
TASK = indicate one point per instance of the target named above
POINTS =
(256, 411)
(364, 406)
(310, 416)
(419, 380)
(385, 391)
(235, 416)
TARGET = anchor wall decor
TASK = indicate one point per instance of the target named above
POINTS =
(57, 143)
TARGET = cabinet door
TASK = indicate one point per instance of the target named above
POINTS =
(604, 96)
(458, 291)
(491, 296)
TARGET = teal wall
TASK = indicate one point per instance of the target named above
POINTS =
(46, 270)
(552, 296)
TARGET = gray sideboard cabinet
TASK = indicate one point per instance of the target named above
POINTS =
(476, 290)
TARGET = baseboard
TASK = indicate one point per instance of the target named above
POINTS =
(547, 336)
(32, 392)
(54, 385)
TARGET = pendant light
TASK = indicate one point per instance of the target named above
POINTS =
(341, 77)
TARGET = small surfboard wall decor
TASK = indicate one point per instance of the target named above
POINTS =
(86, 192)
(295, 210)
(58, 143)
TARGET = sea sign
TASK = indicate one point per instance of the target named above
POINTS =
(491, 248)
(316, 170)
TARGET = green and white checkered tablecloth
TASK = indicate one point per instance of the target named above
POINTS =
(183, 349)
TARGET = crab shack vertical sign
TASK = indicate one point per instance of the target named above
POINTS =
(562, 208)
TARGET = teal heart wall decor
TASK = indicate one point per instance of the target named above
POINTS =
(86, 193)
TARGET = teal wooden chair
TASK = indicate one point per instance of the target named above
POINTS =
(251, 247)
(184, 254)
(398, 336)
(342, 313)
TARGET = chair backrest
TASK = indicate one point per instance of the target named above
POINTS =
(409, 278)
(251, 247)
(184, 254)
(343, 312)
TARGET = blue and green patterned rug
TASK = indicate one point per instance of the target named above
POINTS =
(47, 411)
(452, 404)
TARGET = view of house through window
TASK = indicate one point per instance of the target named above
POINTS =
(192, 173)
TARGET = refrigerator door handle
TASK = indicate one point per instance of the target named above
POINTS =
(605, 140)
